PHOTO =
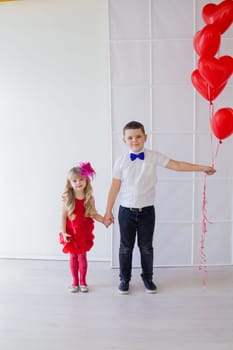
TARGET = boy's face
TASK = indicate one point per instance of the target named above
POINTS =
(135, 139)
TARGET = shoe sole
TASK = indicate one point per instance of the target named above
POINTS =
(123, 292)
(74, 290)
(151, 291)
(83, 289)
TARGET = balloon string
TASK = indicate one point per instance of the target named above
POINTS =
(211, 113)
(205, 220)
(217, 149)
(213, 154)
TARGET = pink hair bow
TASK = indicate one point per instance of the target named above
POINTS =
(86, 170)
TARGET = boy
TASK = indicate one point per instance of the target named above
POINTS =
(134, 175)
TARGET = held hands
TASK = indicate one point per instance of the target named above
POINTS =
(108, 219)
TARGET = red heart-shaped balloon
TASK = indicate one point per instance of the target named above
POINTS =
(203, 88)
(215, 71)
(206, 42)
(221, 14)
(222, 123)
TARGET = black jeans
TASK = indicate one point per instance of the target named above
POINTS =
(140, 222)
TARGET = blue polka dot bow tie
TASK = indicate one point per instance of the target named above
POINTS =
(133, 156)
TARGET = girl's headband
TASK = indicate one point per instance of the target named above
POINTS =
(86, 170)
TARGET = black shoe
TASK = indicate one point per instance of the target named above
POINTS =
(123, 287)
(150, 286)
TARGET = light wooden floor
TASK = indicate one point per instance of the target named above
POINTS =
(37, 312)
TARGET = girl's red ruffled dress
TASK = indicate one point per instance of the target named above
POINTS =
(81, 229)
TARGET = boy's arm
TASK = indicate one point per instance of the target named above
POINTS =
(113, 192)
(185, 166)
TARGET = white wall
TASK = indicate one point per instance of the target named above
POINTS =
(152, 58)
(54, 112)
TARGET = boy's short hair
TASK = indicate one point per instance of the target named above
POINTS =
(134, 125)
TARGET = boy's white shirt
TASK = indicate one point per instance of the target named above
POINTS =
(138, 178)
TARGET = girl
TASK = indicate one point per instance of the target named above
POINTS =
(77, 225)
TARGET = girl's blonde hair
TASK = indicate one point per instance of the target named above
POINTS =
(68, 196)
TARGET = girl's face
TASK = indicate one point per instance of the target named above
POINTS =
(78, 183)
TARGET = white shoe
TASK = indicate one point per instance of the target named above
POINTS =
(74, 289)
(84, 289)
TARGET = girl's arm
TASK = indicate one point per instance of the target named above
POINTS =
(96, 216)
(99, 218)
(185, 166)
(65, 235)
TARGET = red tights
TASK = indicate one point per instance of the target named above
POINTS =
(78, 268)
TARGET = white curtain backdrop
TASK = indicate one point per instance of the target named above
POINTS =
(152, 58)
